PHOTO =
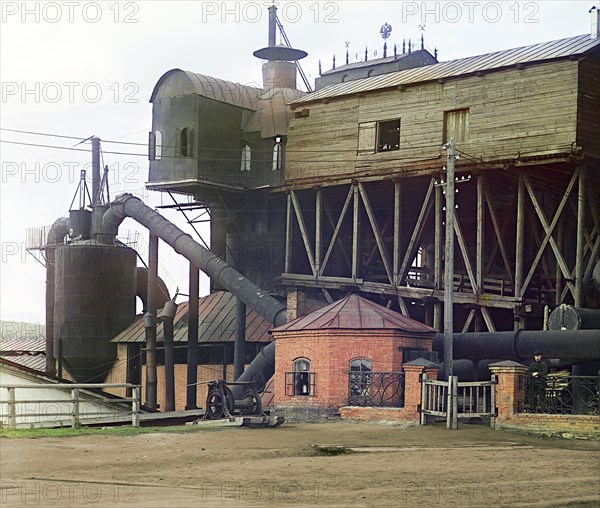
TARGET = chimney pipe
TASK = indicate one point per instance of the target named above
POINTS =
(272, 25)
(595, 32)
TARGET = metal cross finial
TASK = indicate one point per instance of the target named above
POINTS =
(422, 27)
(347, 44)
(385, 30)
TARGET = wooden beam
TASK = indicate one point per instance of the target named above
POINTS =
(396, 252)
(318, 205)
(488, 319)
(410, 250)
(579, 252)
(499, 238)
(288, 235)
(327, 295)
(468, 321)
(549, 228)
(403, 307)
(303, 232)
(376, 232)
(336, 225)
(438, 268)
(463, 249)
(355, 233)
(479, 250)
(411, 293)
(520, 234)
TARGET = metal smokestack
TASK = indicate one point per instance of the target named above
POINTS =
(279, 70)
(272, 25)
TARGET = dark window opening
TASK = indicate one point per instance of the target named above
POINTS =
(388, 135)
(185, 142)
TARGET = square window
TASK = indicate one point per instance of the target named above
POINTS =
(388, 135)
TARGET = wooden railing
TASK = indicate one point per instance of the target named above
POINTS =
(73, 415)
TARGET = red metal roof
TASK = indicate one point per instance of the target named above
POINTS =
(355, 313)
(216, 322)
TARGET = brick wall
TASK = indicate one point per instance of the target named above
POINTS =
(206, 373)
(330, 353)
(118, 373)
(560, 425)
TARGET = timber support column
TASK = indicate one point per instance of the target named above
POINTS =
(579, 264)
(520, 233)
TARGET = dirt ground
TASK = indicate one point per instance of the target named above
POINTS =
(393, 466)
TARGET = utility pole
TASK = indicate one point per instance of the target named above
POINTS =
(449, 260)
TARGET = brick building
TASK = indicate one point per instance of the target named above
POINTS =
(318, 355)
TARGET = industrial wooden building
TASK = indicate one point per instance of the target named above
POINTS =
(342, 189)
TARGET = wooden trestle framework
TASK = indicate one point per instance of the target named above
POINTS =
(526, 237)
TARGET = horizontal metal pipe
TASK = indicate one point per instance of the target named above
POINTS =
(567, 317)
(521, 344)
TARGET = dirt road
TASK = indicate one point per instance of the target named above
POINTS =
(389, 466)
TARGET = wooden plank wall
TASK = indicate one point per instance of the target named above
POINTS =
(525, 111)
(588, 115)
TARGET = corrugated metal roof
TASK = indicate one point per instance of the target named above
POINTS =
(29, 344)
(35, 362)
(561, 48)
(355, 313)
(214, 88)
(369, 63)
(29, 351)
(216, 322)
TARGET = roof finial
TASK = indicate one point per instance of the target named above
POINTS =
(334, 61)
(422, 42)
(395, 51)
(409, 47)
(435, 53)
(366, 54)
(347, 58)
(384, 49)
(320, 72)
(403, 46)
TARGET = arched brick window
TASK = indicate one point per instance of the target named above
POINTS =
(359, 376)
(302, 377)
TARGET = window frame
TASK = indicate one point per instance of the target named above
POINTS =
(302, 378)
(447, 115)
(380, 127)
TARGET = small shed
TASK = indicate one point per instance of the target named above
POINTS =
(317, 355)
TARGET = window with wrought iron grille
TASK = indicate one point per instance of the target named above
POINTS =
(301, 381)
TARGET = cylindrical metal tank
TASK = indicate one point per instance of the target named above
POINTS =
(95, 300)
(80, 222)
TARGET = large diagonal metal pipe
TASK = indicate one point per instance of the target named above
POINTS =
(127, 205)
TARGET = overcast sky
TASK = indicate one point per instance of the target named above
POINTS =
(79, 68)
